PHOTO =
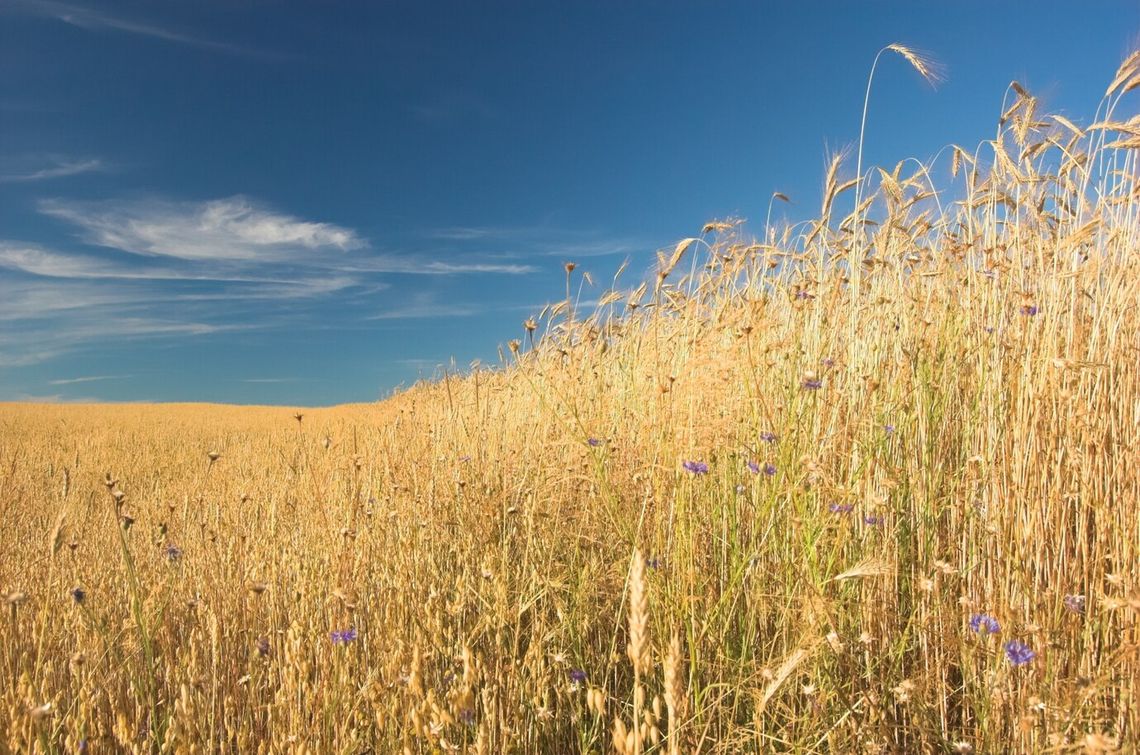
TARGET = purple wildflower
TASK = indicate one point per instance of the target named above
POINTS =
(827, 362)
(873, 520)
(753, 467)
(1075, 603)
(1019, 653)
(467, 716)
(769, 469)
(841, 508)
(812, 383)
(577, 676)
(696, 467)
(78, 595)
(594, 442)
(172, 553)
(464, 458)
(653, 563)
(1029, 310)
(889, 429)
(804, 295)
(769, 437)
(983, 623)
(344, 636)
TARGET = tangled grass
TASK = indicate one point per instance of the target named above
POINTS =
(865, 484)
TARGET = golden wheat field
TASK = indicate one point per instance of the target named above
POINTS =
(864, 484)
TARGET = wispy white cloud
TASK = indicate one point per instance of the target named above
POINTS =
(89, 379)
(239, 230)
(97, 20)
(60, 168)
(172, 270)
(235, 228)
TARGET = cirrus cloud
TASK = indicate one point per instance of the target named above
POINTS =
(234, 228)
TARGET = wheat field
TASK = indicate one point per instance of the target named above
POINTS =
(867, 483)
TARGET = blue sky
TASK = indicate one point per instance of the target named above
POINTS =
(312, 203)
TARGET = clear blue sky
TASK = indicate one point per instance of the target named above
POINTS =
(311, 203)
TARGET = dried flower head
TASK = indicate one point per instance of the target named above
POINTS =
(1075, 603)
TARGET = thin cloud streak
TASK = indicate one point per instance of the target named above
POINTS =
(62, 169)
(410, 265)
(426, 311)
(93, 20)
(540, 240)
(91, 379)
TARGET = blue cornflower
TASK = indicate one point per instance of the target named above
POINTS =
(1019, 653)
(577, 676)
(841, 508)
(696, 467)
(889, 429)
(753, 467)
(983, 623)
(769, 469)
(769, 437)
(1029, 310)
(874, 520)
(344, 636)
(594, 442)
(467, 716)
(653, 562)
(172, 553)
(812, 383)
